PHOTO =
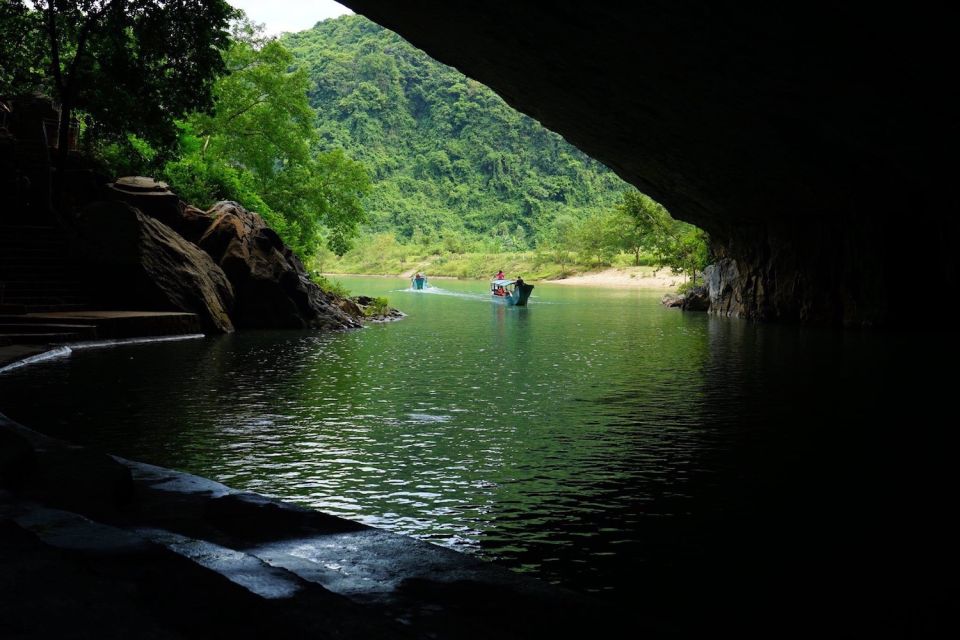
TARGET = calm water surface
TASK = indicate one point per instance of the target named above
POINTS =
(593, 438)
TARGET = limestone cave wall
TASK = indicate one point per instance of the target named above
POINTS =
(814, 141)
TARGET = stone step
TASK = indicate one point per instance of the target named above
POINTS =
(435, 591)
(70, 531)
(38, 320)
(54, 266)
(13, 255)
(145, 581)
(12, 309)
(55, 307)
(113, 324)
(38, 338)
(238, 567)
(48, 275)
(40, 293)
(31, 235)
(33, 299)
(49, 262)
(41, 288)
(190, 540)
(42, 281)
(87, 331)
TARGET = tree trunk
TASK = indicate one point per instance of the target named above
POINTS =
(63, 150)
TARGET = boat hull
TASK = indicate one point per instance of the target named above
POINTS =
(518, 298)
(418, 283)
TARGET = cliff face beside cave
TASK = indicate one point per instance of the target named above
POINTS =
(814, 142)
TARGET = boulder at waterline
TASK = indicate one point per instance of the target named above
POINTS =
(139, 262)
(696, 299)
(272, 287)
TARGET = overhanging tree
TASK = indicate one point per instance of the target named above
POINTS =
(133, 65)
(21, 48)
(259, 146)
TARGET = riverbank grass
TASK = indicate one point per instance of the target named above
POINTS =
(404, 261)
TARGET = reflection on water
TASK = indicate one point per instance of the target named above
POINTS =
(593, 438)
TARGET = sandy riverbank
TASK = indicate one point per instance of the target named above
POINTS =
(623, 277)
(626, 277)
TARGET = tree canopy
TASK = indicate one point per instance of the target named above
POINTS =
(133, 66)
(259, 146)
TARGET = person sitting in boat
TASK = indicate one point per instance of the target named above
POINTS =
(500, 275)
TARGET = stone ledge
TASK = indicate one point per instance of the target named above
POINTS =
(282, 568)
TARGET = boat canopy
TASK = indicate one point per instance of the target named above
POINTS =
(501, 283)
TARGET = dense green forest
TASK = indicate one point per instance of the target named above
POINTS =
(459, 178)
(447, 156)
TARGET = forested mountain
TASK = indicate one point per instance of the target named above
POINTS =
(445, 153)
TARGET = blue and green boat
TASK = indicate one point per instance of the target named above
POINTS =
(511, 292)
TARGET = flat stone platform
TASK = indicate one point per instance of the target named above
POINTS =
(118, 324)
(97, 546)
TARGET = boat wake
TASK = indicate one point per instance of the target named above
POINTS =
(437, 291)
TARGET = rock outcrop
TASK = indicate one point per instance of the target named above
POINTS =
(724, 288)
(671, 301)
(272, 286)
(374, 310)
(806, 139)
(696, 299)
(139, 262)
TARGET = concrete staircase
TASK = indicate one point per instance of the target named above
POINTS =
(14, 331)
(59, 327)
(37, 272)
(44, 298)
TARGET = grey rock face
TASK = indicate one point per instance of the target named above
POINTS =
(722, 278)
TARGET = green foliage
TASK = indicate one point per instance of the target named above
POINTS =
(452, 162)
(648, 226)
(684, 287)
(690, 252)
(258, 147)
(331, 287)
(22, 58)
(377, 307)
(132, 67)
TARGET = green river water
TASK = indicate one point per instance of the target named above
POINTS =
(594, 438)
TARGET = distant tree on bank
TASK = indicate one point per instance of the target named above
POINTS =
(133, 66)
(646, 226)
